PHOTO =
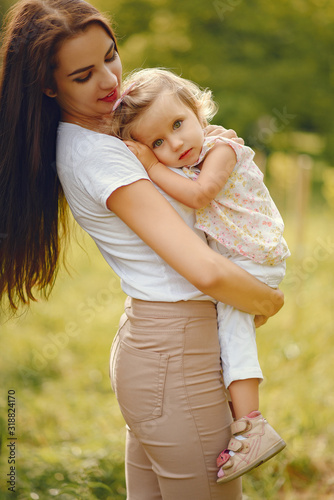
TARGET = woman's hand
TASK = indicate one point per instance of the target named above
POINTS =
(270, 308)
(217, 130)
(144, 154)
(260, 319)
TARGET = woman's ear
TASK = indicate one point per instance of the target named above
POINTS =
(50, 93)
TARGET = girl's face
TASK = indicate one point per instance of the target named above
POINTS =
(88, 77)
(172, 130)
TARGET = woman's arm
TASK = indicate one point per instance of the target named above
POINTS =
(216, 169)
(156, 222)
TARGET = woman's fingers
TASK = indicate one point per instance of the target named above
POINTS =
(133, 147)
(217, 130)
(260, 320)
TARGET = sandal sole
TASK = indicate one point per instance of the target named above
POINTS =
(264, 458)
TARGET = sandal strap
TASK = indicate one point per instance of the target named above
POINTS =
(228, 464)
(234, 445)
(222, 458)
(238, 446)
(239, 427)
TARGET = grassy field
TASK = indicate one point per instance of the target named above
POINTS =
(70, 434)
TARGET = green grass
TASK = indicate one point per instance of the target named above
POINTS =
(70, 434)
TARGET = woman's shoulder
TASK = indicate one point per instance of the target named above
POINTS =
(85, 140)
(94, 160)
(80, 146)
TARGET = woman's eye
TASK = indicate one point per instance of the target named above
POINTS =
(112, 57)
(157, 143)
(84, 79)
(177, 124)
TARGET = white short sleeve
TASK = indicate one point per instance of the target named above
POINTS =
(102, 163)
(91, 167)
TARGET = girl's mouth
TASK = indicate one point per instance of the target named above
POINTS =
(111, 97)
(185, 154)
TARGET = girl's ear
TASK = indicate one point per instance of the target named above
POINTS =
(50, 93)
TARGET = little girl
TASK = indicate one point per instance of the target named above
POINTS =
(166, 116)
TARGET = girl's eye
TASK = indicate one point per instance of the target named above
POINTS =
(157, 143)
(177, 124)
(84, 79)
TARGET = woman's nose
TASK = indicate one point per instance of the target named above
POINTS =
(108, 79)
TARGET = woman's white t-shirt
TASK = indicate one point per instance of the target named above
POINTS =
(90, 167)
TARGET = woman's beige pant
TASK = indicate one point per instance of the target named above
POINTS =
(165, 371)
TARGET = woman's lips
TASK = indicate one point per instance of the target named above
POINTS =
(185, 154)
(111, 97)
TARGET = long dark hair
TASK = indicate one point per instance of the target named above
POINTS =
(33, 211)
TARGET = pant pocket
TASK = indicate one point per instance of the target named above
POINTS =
(138, 379)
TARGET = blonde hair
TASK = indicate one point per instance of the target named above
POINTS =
(148, 84)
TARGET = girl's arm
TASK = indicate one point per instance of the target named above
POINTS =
(216, 169)
(156, 222)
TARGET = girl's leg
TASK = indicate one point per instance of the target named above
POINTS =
(244, 396)
(241, 368)
(242, 372)
(253, 441)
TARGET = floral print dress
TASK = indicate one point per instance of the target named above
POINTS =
(243, 217)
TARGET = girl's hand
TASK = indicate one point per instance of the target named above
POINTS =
(144, 154)
(214, 130)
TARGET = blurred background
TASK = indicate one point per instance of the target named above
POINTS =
(270, 66)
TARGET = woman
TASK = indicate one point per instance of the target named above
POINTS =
(61, 78)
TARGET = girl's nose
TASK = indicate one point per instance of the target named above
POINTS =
(175, 143)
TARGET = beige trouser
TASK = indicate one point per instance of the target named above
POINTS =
(165, 371)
